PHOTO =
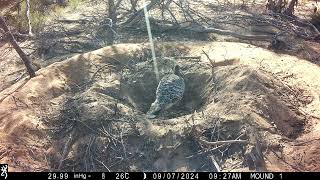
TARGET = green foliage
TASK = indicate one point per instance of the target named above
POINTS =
(40, 12)
(38, 20)
(74, 3)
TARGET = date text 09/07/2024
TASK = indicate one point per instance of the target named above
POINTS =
(214, 175)
(166, 175)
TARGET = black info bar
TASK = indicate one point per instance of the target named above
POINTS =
(159, 175)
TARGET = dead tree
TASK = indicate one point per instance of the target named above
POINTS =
(134, 5)
(290, 9)
(276, 6)
(28, 17)
(112, 21)
(19, 15)
(26, 60)
(139, 14)
(282, 6)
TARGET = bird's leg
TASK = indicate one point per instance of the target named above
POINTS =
(154, 114)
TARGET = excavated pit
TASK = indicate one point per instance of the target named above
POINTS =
(229, 103)
(139, 85)
(230, 89)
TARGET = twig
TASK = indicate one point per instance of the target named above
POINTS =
(66, 148)
(216, 125)
(3, 154)
(292, 166)
(302, 143)
(46, 159)
(212, 62)
(223, 142)
(99, 69)
(204, 152)
(103, 165)
(90, 154)
(15, 90)
(122, 143)
(214, 163)
(16, 100)
(187, 57)
(105, 132)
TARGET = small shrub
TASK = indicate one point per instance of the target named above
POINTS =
(74, 3)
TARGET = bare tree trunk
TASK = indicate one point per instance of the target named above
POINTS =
(113, 17)
(134, 5)
(26, 60)
(140, 13)
(282, 6)
(276, 6)
(112, 11)
(290, 9)
(28, 17)
(19, 16)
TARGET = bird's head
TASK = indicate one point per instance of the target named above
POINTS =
(177, 71)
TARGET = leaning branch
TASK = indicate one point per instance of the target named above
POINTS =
(26, 60)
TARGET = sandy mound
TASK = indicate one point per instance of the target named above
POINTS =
(83, 114)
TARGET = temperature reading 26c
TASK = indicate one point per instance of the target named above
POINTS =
(119, 176)
(122, 176)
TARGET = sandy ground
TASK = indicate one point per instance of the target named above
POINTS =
(72, 116)
(249, 78)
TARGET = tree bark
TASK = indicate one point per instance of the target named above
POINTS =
(133, 5)
(282, 6)
(113, 17)
(140, 13)
(26, 60)
(276, 6)
(290, 9)
(19, 16)
(28, 17)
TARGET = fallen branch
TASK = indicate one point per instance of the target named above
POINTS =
(216, 143)
(103, 164)
(204, 29)
(305, 142)
(212, 63)
(301, 22)
(66, 148)
(186, 57)
(204, 152)
(19, 86)
(215, 163)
